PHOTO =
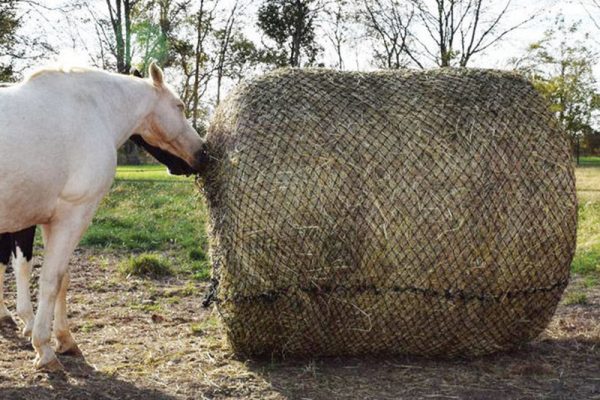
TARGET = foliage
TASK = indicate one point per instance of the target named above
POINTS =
(9, 23)
(152, 43)
(291, 25)
(242, 56)
(562, 69)
(178, 36)
(121, 15)
(237, 56)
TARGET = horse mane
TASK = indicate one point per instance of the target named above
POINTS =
(61, 70)
(58, 70)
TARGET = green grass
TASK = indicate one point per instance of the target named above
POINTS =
(208, 324)
(590, 281)
(587, 256)
(142, 173)
(589, 161)
(148, 210)
(576, 298)
(148, 265)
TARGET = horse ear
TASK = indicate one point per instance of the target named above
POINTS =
(156, 74)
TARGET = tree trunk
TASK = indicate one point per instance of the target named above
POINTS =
(577, 150)
(120, 19)
(225, 42)
(199, 51)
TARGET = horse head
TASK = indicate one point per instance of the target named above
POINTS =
(166, 134)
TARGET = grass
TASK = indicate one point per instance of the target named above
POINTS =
(587, 256)
(144, 173)
(589, 161)
(206, 325)
(576, 298)
(150, 211)
(590, 281)
(148, 265)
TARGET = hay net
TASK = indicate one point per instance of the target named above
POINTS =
(429, 213)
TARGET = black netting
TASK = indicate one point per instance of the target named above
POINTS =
(428, 213)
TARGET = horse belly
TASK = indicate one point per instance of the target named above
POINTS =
(23, 204)
(30, 183)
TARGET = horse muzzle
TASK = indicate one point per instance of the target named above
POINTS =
(180, 167)
(201, 159)
(198, 165)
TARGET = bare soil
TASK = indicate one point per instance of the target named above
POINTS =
(148, 339)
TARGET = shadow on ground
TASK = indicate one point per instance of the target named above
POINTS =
(547, 369)
(79, 380)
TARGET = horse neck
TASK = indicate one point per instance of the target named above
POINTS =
(127, 103)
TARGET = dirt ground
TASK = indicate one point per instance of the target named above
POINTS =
(145, 339)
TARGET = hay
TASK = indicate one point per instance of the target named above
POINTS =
(429, 213)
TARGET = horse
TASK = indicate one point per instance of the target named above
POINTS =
(59, 135)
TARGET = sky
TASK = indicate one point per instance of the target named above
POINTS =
(75, 41)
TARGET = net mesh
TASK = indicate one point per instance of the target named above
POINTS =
(429, 213)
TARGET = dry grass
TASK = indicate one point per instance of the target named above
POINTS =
(151, 340)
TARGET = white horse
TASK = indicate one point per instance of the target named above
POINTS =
(59, 135)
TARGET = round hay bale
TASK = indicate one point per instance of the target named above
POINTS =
(429, 213)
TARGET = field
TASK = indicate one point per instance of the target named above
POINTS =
(149, 338)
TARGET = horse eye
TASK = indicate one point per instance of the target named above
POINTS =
(181, 107)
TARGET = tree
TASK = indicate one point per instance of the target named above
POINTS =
(120, 17)
(204, 19)
(290, 24)
(462, 29)
(177, 36)
(9, 24)
(152, 43)
(224, 38)
(18, 50)
(115, 34)
(389, 25)
(171, 14)
(592, 8)
(237, 56)
(561, 67)
(338, 30)
(436, 32)
(120, 13)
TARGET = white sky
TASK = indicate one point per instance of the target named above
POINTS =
(59, 31)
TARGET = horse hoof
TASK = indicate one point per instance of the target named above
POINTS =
(51, 366)
(72, 350)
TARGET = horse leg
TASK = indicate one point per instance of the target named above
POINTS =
(5, 246)
(22, 255)
(62, 236)
(65, 344)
